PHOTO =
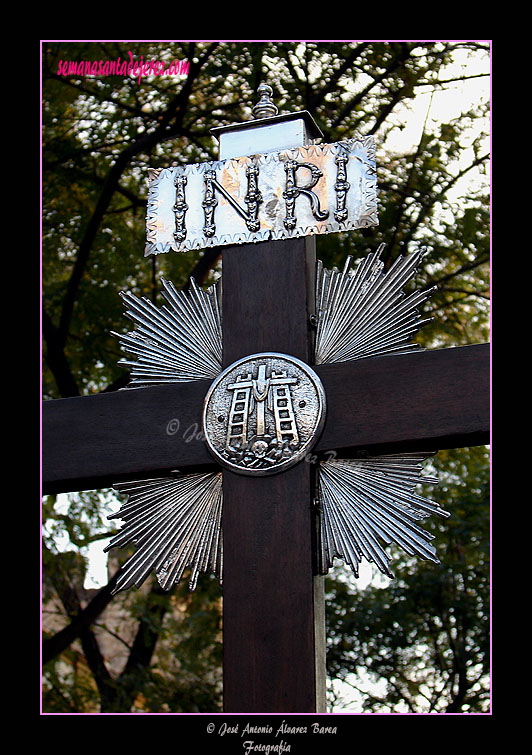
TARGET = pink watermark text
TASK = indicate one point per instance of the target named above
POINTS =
(120, 67)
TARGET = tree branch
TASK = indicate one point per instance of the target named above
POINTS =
(317, 98)
(55, 645)
(426, 206)
(406, 188)
(56, 359)
(464, 269)
(165, 130)
(65, 588)
(398, 61)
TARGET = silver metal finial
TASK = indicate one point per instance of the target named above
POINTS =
(265, 107)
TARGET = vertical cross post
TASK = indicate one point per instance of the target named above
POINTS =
(273, 610)
(273, 604)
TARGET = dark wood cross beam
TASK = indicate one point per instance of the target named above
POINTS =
(421, 401)
(272, 601)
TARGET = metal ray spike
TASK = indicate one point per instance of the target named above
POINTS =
(176, 524)
(178, 342)
(364, 312)
(362, 502)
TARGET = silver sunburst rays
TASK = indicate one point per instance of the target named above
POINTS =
(362, 501)
(364, 313)
(175, 343)
(176, 522)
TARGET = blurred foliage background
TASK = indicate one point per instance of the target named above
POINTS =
(417, 644)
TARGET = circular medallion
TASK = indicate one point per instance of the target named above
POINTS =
(263, 414)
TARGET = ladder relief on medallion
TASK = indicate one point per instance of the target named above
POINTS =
(262, 425)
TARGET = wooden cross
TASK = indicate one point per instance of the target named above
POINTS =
(273, 599)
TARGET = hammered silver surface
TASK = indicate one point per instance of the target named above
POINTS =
(346, 192)
(263, 414)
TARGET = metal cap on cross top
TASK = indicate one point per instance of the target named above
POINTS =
(268, 132)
